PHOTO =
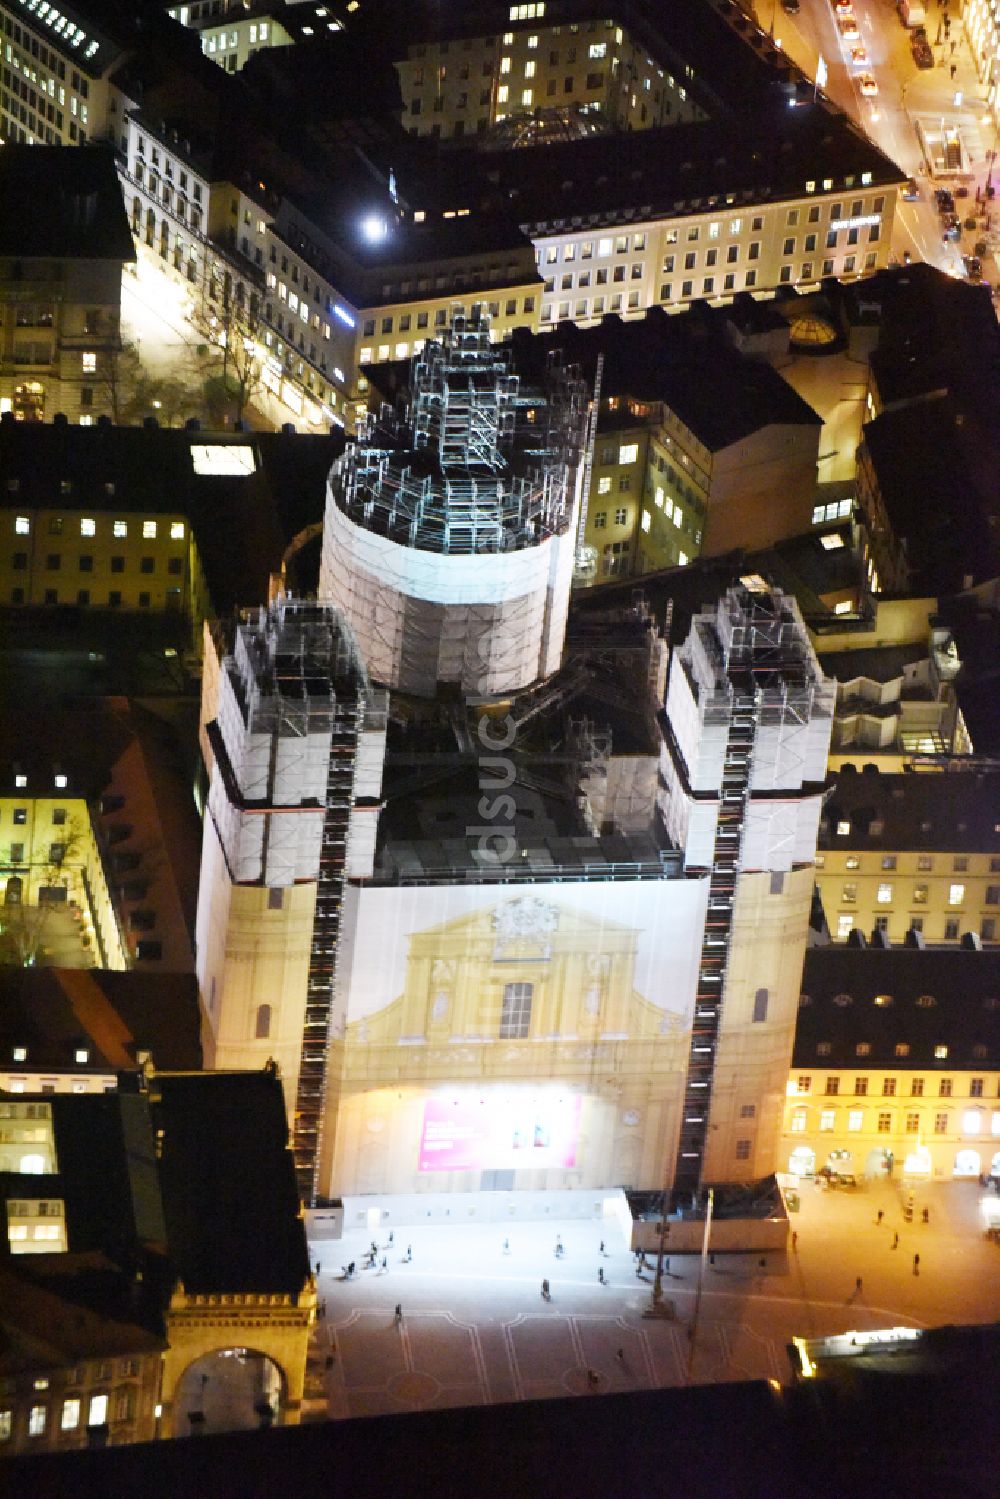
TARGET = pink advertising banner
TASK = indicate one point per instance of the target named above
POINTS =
(499, 1134)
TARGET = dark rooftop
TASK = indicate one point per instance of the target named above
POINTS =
(228, 1183)
(926, 998)
(884, 663)
(936, 469)
(61, 204)
(52, 1012)
(720, 395)
(243, 520)
(957, 809)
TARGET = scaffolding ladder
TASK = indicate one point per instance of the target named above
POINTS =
(715, 946)
(310, 1093)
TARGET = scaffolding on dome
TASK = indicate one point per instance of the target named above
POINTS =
(474, 464)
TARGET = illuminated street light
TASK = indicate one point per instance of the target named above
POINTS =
(374, 228)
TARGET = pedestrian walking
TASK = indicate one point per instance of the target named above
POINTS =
(638, 1272)
(392, 1238)
(329, 1361)
(857, 1286)
(506, 1246)
(385, 1262)
(666, 1264)
(620, 1355)
(795, 1240)
(408, 1258)
(399, 1311)
(601, 1247)
(559, 1247)
(319, 1267)
(592, 1377)
(545, 1290)
(880, 1216)
(954, 69)
(600, 1274)
(916, 1264)
(926, 1215)
(322, 1311)
(895, 1241)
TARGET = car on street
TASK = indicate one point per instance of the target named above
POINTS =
(944, 200)
(848, 27)
(911, 191)
(973, 267)
(790, 7)
(922, 55)
(859, 57)
(867, 85)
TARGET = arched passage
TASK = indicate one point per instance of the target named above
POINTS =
(230, 1389)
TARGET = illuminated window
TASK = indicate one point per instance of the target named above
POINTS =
(863, 1049)
(885, 1124)
(902, 1049)
(515, 1015)
(884, 896)
(527, 95)
(647, 520)
(798, 1121)
(845, 925)
(120, 527)
(855, 1119)
(89, 363)
(604, 485)
(98, 1412)
(148, 529)
(529, 69)
(218, 459)
(176, 530)
(22, 525)
(87, 526)
(70, 1418)
(956, 895)
(849, 893)
(972, 1122)
(843, 828)
(995, 1122)
(628, 452)
(940, 1053)
(503, 93)
(36, 1420)
(826, 1119)
(505, 64)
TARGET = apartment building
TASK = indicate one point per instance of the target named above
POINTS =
(895, 1065)
(917, 852)
(559, 74)
(55, 86)
(64, 243)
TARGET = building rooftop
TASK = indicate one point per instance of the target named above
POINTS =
(58, 204)
(957, 809)
(246, 495)
(59, 1310)
(53, 1012)
(228, 1182)
(884, 663)
(717, 393)
(935, 468)
(927, 999)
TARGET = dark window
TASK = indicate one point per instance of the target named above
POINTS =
(760, 1006)
(86, 563)
(147, 564)
(53, 562)
(175, 565)
(118, 564)
(276, 899)
(262, 1026)
(149, 950)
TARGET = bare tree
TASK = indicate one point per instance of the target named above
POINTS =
(23, 923)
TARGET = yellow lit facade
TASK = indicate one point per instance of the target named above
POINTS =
(934, 1125)
(49, 860)
(103, 559)
(942, 895)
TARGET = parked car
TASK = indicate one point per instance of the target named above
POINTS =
(973, 267)
(911, 191)
(922, 55)
(867, 85)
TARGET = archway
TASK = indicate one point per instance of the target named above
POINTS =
(14, 891)
(968, 1163)
(802, 1161)
(231, 1389)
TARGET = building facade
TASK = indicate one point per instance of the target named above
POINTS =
(911, 853)
(895, 1065)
